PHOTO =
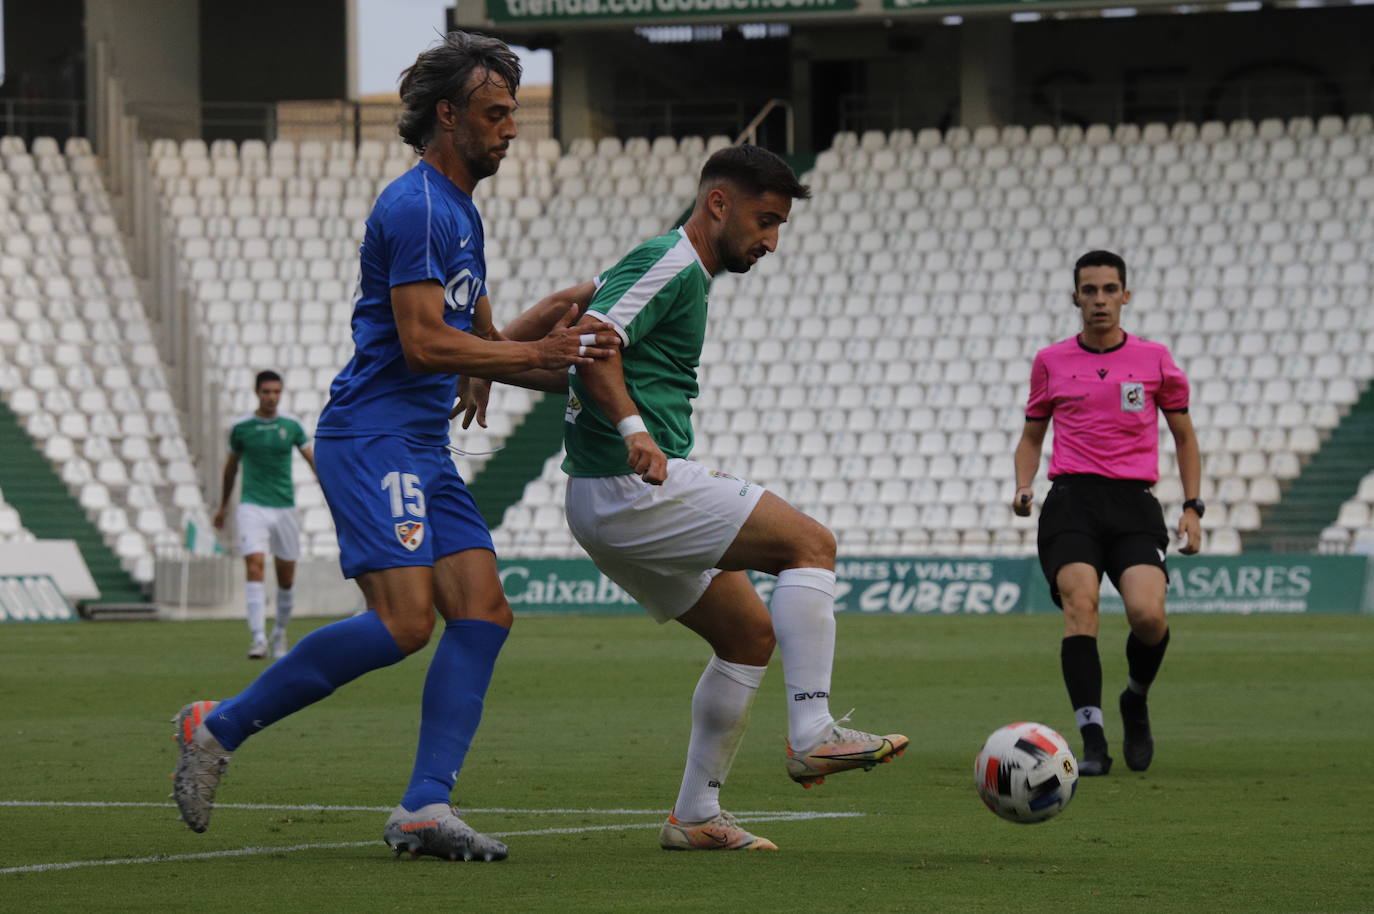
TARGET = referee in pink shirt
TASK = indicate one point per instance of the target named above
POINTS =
(1103, 389)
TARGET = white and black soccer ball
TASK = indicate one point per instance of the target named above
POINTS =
(1026, 773)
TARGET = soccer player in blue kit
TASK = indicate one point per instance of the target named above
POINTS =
(408, 529)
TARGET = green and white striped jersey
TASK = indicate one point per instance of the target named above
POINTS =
(656, 299)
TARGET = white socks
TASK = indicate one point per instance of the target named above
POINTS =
(255, 596)
(803, 609)
(720, 711)
(1087, 716)
(286, 600)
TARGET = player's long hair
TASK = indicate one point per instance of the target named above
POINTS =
(443, 72)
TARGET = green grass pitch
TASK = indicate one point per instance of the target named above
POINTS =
(1260, 798)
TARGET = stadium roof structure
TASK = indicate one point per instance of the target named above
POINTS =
(515, 16)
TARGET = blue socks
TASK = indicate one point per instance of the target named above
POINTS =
(452, 707)
(339, 653)
(320, 663)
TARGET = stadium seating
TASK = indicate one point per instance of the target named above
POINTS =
(874, 372)
(1354, 526)
(11, 525)
(77, 361)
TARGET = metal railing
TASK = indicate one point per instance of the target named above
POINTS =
(29, 118)
(1127, 103)
(328, 119)
(750, 133)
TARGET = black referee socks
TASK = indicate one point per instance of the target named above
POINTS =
(1083, 678)
(1143, 660)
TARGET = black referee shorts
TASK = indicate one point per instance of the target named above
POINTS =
(1110, 524)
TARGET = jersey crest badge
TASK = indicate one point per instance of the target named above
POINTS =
(411, 533)
(1132, 397)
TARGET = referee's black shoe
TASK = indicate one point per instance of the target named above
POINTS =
(1095, 761)
(1137, 744)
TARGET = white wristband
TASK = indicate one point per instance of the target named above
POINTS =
(630, 425)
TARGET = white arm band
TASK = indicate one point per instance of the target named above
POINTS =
(630, 425)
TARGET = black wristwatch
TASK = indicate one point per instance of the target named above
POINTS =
(1198, 507)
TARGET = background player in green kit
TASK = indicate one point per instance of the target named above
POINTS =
(266, 517)
(679, 537)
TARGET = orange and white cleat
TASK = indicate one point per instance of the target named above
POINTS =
(199, 767)
(842, 749)
(719, 833)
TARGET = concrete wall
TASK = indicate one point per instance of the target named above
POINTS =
(155, 46)
(268, 51)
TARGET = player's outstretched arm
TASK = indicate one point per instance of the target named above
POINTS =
(231, 472)
(1190, 474)
(1026, 461)
(604, 382)
(541, 317)
(432, 347)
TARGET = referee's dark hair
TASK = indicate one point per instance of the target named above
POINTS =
(265, 376)
(1100, 259)
(442, 72)
(754, 170)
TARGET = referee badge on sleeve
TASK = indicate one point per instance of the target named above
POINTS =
(411, 533)
(1132, 397)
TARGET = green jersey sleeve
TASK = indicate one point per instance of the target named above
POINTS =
(636, 297)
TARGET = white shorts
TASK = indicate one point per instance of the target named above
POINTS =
(660, 543)
(261, 528)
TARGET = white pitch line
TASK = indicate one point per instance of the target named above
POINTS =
(252, 851)
(312, 807)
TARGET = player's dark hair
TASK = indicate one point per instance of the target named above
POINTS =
(754, 170)
(263, 377)
(1100, 259)
(443, 72)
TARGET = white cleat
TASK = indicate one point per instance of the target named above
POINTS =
(437, 831)
(200, 766)
(278, 643)
(842, 749)
(259, 648)
(719, 833)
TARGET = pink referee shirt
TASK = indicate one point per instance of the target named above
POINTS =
(1104, 405)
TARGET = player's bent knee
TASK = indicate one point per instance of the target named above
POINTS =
(411, 631)
(762, 641)
(815, 546)
(1080, 615)
(753, 647)
(497, 612)
(1149, 626)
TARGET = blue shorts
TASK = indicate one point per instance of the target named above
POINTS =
(396, 503)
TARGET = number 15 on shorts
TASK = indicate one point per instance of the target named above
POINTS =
(406, 495)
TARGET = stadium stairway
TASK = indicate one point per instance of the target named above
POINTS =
(49, 511)
(501, 482)
(1314, 498)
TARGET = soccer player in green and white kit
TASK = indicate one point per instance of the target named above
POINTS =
(266, 516)
(679, 537)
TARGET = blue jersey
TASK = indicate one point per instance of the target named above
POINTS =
(422, 227)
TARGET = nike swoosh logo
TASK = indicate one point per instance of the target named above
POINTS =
(463, 242)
